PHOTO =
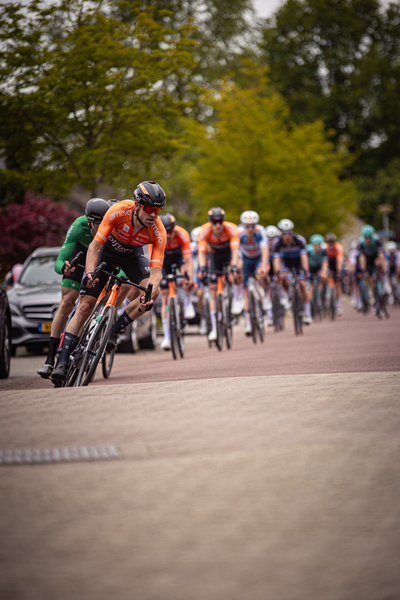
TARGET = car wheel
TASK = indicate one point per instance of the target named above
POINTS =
(6, 353)
(150, 341)
(132, 344)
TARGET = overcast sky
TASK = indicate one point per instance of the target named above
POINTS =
(265, 8)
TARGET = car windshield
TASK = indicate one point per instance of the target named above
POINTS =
(40, 271)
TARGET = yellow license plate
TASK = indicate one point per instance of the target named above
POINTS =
(44, 327)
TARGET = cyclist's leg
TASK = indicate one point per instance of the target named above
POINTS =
(217, 262)
(68, 299)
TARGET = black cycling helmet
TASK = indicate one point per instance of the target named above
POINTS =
(216, 214)
(95, 209)
(330, 238)
(168, 221)
(149, 193)
(113, 201)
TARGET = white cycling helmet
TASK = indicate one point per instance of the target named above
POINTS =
(391, 246)
(195, 234)
(249, 217)
(285, 226)
(354, 244)
(272, 231)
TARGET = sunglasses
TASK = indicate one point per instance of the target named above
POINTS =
(250, 226)
(216, 222)
(150, 209)
(94, 222)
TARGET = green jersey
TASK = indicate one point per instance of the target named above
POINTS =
(78, 238)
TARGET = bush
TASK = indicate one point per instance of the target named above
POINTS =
(36, 222)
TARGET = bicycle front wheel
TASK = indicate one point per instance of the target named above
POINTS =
(96, 346)
(260, 320)
(220, 321)
(253, 318)
(181, 334)
(173, 328)
(332, 303)
(296, 309)
(276, 309)
(107, 363)
(228, 322)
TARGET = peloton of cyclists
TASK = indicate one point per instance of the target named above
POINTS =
(79, 236)
(177, 252)
(290, 252)
(219, 241)
(254, 255)
(127, 226)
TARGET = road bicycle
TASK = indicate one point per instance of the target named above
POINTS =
(206, 307)
(255, 308)
(177, 322)
(224, 310)
(364, 288)
(381, 296)
(91, 348)
(330, 300)
(317, 307)
(278, 311)
(297, 305)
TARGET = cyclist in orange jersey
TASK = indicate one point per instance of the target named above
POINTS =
(177, 252)
(219, 240)
(335, 254)
(127, 226)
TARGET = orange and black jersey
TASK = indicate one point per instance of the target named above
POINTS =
(208, 242)
(116, 233)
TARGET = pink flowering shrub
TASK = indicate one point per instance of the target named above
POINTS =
(24, 227)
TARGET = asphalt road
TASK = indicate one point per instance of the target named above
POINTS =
(267, 471)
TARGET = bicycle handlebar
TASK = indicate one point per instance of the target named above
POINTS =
(74, 261)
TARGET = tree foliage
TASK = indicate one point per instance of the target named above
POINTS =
(84, 96)
(339, 61)
(38, 221)
(253, 160)
(384, 188)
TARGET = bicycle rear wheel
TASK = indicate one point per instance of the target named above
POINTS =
(173, 328)
(220, 321)
(96, 346)
(252, 315)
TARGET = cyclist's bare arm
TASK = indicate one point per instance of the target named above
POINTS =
(265, 259)
(277, 264)
(188, 266)
(92, 258)
(304, 262)
(136, 308)
(235, 257)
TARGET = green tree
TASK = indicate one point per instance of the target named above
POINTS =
(253, 160)
(339, 61)
(84, 96)
(384, 188)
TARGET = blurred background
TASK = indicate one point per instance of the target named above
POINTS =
(287, 108)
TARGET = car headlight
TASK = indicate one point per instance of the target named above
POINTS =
(15, 311)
